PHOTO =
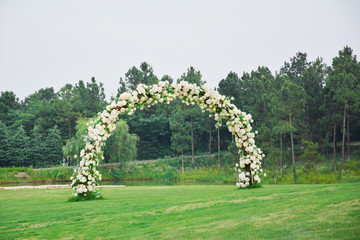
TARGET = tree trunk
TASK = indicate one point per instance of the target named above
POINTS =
(281, 155)
(334, 146)
(219, 147)
(348, 138)
(271, 146)
(210, 144)
(343, 142)
(307, 118)
(192, 141)
(317, 175)
(182, 161)
(307, 123)
(292, 150)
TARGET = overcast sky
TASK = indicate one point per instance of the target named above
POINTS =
(50, 43)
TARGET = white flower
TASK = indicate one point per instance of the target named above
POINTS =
(125, 96)
(100, 129)
(242, 176)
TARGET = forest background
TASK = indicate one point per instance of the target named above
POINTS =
(306, 113)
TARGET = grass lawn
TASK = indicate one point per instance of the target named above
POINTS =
(185, 212)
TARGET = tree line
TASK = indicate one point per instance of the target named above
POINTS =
(304, 103)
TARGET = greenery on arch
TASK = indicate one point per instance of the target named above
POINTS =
(86, 177)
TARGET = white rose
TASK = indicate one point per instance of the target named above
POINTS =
(242, 176)
(125, 96)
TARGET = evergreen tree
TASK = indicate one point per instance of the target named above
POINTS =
(180, 139)
(292, 103)
(313, 81)
(312, 156)
(66, 112)
(134, 76)
(194, 77)
(37, 150)
(4, 145)
(53, 147)
(167, 78)
(19, 148)
(8, 103)
(345, 80)
(231, 86)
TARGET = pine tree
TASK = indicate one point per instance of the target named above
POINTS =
(53, 147)
(180, 139)
(312, 156)
(194, 77)
(19, 148)
(4, 145)
(37, 150)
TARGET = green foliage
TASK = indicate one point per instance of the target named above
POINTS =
(53, 147)
(76, 143)
(92, 196)
(4, 144)
(314, 95)
(233, 153)
(192, 76)
(37, 151)
(180, 139)
(19, 148)
(8, 103)
(155, 133)
(231, 86)
(51, 175)
(9, 174)
(121, 146)
(311, 154)
(134, 76)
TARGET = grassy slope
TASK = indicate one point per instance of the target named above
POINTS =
(185, 212)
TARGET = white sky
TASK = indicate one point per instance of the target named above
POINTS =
(50, 43)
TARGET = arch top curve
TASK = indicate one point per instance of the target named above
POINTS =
(248, 169)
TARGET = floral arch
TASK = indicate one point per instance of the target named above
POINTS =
(85, 178)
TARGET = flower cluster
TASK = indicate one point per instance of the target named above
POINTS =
(86, 177)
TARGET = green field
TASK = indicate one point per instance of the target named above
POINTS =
(185, 212)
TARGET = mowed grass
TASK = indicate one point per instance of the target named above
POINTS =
(185, 212)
